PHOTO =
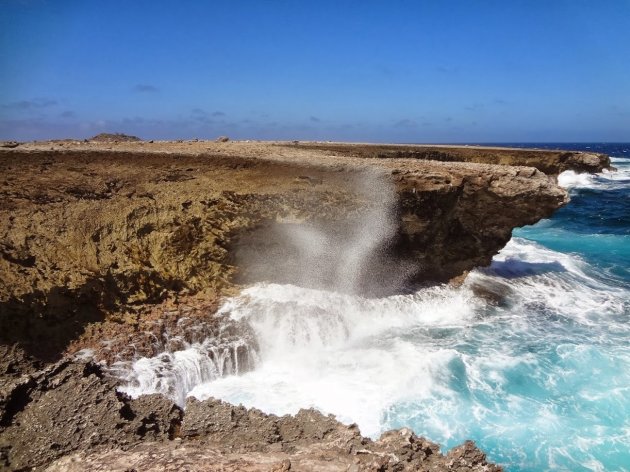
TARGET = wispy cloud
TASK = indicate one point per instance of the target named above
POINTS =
(199, 114)
(145, 88)
(314, 119)
(35, 103)
(475, 107)
(405, 123)
(67, 114)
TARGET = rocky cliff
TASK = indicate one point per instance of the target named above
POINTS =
(69, 417)
(121, 241)
(548, 161)
(90, 234)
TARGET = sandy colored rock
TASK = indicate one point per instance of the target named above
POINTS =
(118, 248)
(102, 232)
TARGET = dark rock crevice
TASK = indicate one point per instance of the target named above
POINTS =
(90, 419)
(133, 244)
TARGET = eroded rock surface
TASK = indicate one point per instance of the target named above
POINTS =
(72, 419)
(90, 235)
(123, 248)
(548, 161)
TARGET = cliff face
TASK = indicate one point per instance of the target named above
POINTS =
(124, 242)
(548, 161)
(89, 233)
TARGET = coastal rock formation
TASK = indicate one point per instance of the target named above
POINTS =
(113, 138)
(91, 235)
(69, 417)
(548, 161)
(116, 249)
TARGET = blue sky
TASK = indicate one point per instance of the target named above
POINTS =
(381, 71)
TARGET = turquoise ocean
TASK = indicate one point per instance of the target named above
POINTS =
(538, 374)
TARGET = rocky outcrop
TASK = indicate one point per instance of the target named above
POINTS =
(114, 138)
(551, 162)
(69, 417)
(125, 248)
(87, 234)
(70, 406)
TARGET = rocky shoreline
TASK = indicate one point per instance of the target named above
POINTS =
(108, 246)
(75, 420)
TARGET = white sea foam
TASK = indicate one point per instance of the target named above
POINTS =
(571, 179)
(442, 360)
(618, 178)
(554, 280)
(174, 374)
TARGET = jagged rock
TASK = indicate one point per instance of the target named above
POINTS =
(145, 233)
(141, 229)
(70, 418)
(70, 406)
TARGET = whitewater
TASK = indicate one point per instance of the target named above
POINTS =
(529, 357)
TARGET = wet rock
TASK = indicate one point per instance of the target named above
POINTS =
(69, 416)
(468, 457)
(217, 436)
(73, 406)
(134, 259)
(141, 230)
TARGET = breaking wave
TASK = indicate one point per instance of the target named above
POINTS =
(529, 357)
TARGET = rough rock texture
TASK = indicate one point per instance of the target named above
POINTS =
(88, 235)
(548, 161)
(71, 409)
(70, 406)
(112, 245)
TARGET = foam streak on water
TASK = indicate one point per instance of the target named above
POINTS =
(530, 357)
(540, 381)
(175, 374)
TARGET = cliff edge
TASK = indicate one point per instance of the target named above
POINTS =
(109, 245)
(88, 233)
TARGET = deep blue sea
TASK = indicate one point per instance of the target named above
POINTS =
(538, 376)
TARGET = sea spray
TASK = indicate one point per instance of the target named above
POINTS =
(546, 365)
(529, 357)
(353, 254)
(189, 356)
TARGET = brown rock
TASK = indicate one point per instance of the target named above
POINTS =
(69, 417)
(550, 162)
(118, 245)
(90, 235)
(114, 138)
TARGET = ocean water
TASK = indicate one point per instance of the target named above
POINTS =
(537, 373)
